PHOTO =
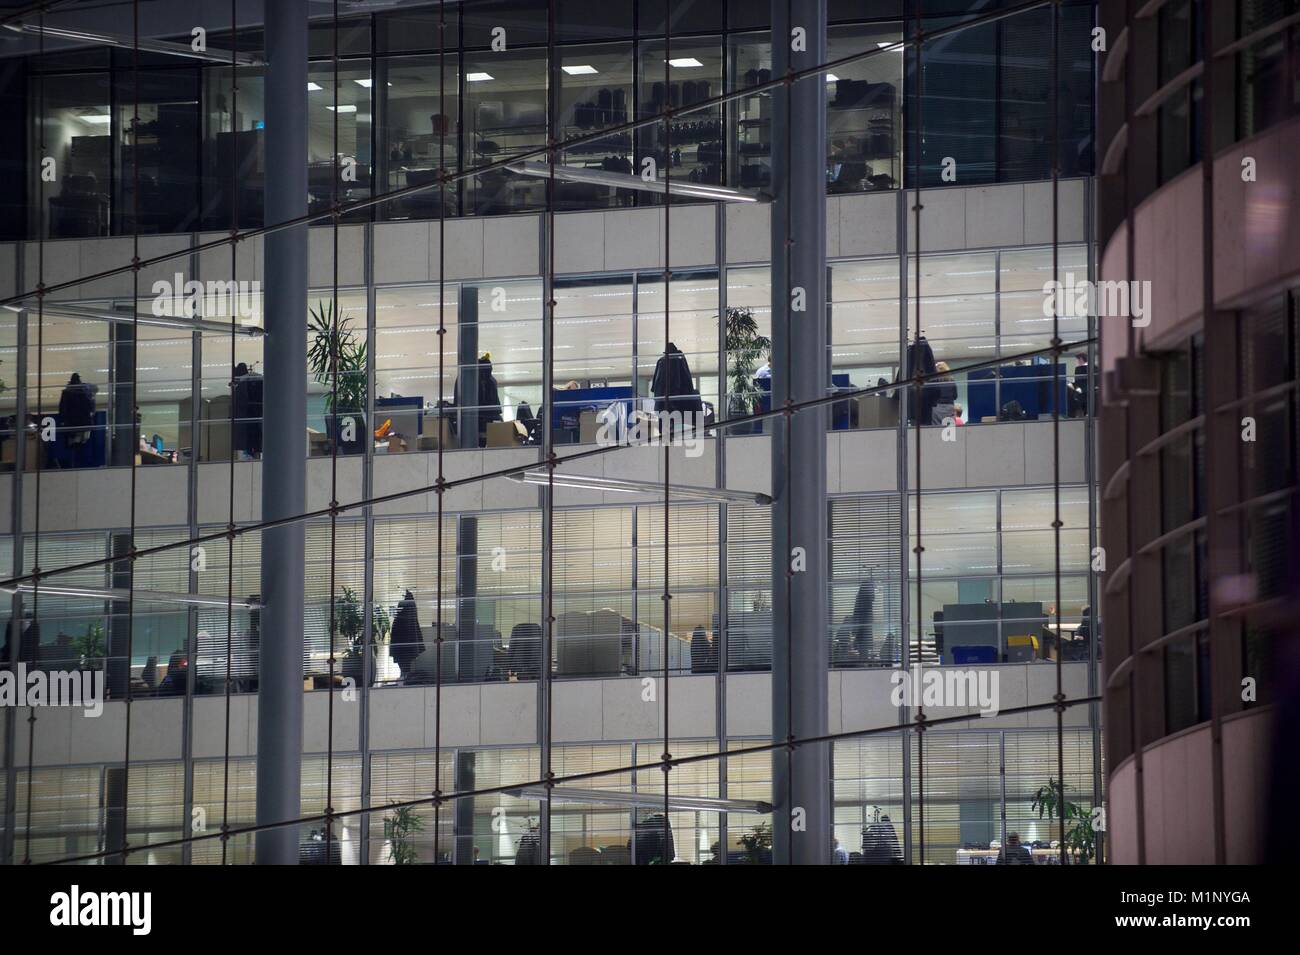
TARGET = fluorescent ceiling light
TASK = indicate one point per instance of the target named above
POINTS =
(583, 69)
(641, 800)
(144, 44)
(314, 87)
(367, 83)
(80, 313)
(621, 180)
(343, 109)
(478, 77)
(97, 119)
(589, 482)
(684, 61)
(149, 596)
(832, 78)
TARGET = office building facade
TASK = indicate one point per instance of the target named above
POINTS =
(469, 624)
(1198, 413)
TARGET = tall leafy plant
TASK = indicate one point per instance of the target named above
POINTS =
(745, 348)
(756, 842)
(335, 347)
(1080, 837)
(349, 623)
(399, 828)
(91, 648)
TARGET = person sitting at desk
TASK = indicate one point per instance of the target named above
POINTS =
(173, 684)
(1013, 853)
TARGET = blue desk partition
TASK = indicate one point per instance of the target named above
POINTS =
(839, 410)
(92, 454)
(1031, 385)
(567, 405)
(384, 407)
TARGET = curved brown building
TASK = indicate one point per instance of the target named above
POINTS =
(1199, 126)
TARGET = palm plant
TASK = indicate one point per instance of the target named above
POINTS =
(1080, 837)
(91, 648)
(335, 349)
(745, 347)
(398, 830)
(349, 623)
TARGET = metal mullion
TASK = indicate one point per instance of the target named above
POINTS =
(904, 507)
(16, 604)
(191, 635)
(368, 530)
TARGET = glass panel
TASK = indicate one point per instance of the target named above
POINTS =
(71, 126)
(160, 155)
(350, 140)
(419, 133)
(692, 151)
(504, 115)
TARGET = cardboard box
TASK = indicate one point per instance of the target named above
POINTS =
(32, 453)
(876, 411)
(505, 434)
(396, 444)
(587, 427)
(436, 433)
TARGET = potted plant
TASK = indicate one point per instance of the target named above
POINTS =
(1080, 837)
(334, 348)
(91, 648)
(349, 624)
(757, 844)
(745, 347)
(398, 831)
(381, 625)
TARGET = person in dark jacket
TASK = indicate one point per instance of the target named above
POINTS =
(487, 401)
(861, 619)
(77, 411)
(530, 848)
(702, 660)
(28, 643)
(173, 684)
(1013, 853)
(919, 360)
(880, 844)
(246, 399)
(406, 642)
(649, 835)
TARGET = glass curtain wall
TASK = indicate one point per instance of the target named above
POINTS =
(415, 98)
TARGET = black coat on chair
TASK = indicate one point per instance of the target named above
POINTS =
(672, 385)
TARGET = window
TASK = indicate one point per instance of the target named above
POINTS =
(504, 115)
(338, 137)
(596, 91)
(72, 127)
(692, 149)
(160, 155)
(419, 132)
